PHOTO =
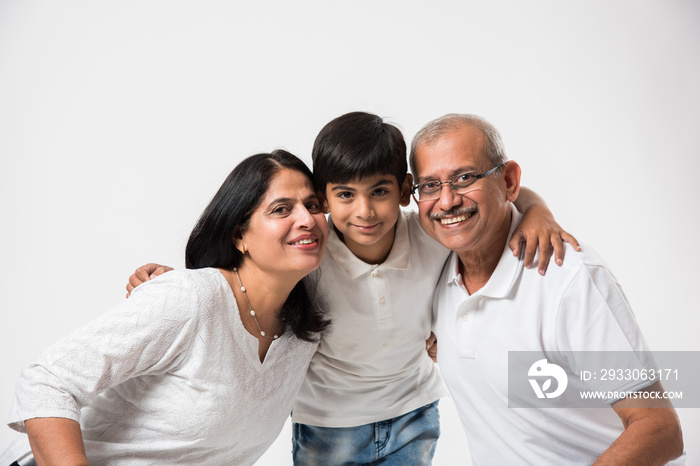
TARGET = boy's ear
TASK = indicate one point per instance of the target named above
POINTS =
(406, 190)
(325, 208)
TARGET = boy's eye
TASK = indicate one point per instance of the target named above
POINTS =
(380, 192)
(344, 194)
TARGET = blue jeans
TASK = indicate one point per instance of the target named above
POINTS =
(405, 440)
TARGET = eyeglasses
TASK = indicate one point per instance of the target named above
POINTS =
(431, 189)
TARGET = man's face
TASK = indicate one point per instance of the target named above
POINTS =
(468, 222)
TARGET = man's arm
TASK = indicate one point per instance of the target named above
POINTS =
(652, 432)
(56, 440)
(539, 228)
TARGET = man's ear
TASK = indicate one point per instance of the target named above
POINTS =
(511, 176)
(325, 208)
(406, 190)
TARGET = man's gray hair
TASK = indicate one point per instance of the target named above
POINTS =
(434, 130)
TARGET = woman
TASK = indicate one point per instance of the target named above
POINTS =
(200, 366)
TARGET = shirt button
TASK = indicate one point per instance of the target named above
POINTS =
(375, 273)
(382, 300)
(465, 318)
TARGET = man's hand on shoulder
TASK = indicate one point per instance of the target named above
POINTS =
(145, 273)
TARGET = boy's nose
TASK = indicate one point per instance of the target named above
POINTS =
(364, 209)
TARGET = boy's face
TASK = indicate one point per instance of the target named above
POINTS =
(365, 212)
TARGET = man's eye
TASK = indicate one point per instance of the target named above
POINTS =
(463, 179)
(430, 186)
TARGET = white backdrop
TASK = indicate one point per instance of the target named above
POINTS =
(120, 119)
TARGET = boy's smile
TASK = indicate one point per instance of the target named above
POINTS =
(365, 212)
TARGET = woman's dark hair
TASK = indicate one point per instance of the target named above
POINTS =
(211, 242)
(357, 145)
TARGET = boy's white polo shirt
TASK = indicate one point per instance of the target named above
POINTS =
(578, 306)
(371, 365)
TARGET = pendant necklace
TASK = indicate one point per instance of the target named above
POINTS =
(252, 312)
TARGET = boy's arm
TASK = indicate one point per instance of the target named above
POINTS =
(652, 432)
(538, 228)
(145, 273)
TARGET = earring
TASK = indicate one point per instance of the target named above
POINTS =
(243, 250)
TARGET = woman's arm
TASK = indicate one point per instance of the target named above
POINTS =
(539, 228)
(56, 440)
(147, 334)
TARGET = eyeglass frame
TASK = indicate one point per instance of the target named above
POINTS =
(450, 182)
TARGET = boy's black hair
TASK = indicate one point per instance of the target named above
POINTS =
(357, 145)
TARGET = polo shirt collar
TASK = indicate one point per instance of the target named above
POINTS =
(507, 271)
(398, 256)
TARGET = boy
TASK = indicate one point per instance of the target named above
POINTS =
(371, 390)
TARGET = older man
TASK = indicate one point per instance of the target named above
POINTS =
(488, 304)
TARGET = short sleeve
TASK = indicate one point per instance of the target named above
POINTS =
(595, 317)
(146, 334)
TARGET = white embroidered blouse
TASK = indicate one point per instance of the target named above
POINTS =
(170, 376)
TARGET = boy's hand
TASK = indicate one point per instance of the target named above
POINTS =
(539, 228)
(431, 346)
(145, 273)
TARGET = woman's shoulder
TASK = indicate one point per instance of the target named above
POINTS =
(187, 293)
(185, 282)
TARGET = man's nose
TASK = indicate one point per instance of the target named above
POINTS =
(448, 197)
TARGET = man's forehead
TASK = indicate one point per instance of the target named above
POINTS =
(458, 151)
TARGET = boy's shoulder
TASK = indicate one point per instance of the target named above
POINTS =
(417, 236)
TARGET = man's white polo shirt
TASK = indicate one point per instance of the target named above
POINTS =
(372, 364)
(578, 306)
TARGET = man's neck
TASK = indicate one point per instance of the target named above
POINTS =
(477, 266)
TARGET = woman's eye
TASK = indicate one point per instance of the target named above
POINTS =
(313, 207)
(280, 210)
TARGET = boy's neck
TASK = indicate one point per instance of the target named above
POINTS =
(374, 253)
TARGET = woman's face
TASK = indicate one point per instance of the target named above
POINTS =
(287, 232)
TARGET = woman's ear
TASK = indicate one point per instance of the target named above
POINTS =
(239, 242)
(406, 190)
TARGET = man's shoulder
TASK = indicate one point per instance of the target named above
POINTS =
(575, 260)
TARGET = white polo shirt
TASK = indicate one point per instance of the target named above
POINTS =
(372, 364)
(578, 306)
